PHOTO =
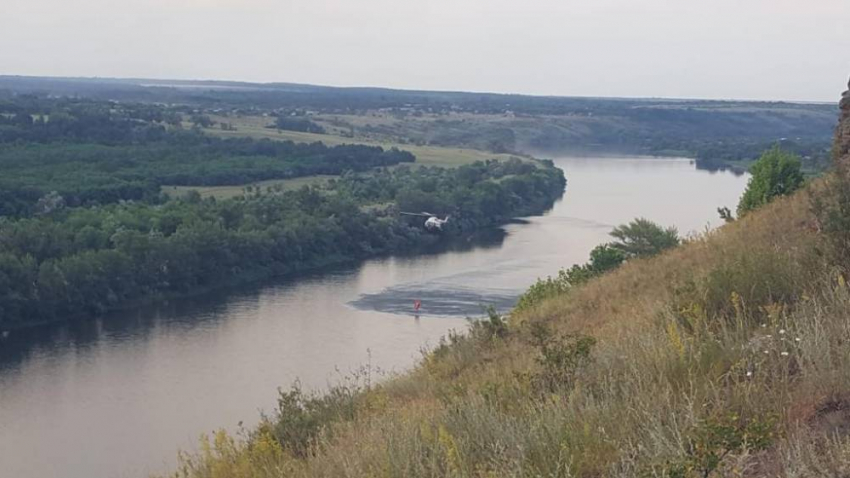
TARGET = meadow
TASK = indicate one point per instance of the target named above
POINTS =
(229, 192)
(426, 155)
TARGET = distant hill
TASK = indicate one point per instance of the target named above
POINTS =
(715, 132)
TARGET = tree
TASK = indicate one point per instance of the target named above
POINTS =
(49, 203)
(202, 121)
(643, 237)
(303, 125)
(776, 173)
(605, 257)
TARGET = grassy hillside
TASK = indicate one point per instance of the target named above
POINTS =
(726, 356)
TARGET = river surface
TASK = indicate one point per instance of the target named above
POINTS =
(117, 397)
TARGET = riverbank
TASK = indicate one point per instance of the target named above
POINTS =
(94, 260)
(436, 245)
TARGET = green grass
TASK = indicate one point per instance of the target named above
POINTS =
(228, 192)
(255, 127)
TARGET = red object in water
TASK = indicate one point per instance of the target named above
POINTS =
(417, 304)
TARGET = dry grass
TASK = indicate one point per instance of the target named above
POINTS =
(731, 346)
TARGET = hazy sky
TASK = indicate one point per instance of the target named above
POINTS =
(759, 49)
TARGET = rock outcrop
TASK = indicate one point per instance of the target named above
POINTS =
(841, 148)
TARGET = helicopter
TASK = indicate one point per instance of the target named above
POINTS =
(433, 223)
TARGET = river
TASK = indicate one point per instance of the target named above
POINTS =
(117, 397)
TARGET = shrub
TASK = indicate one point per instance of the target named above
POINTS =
(830, 205)
(775, 173)
(494, 326)
(543, 289)
(714, 439)
(638, 238)
(643, 237)
(300, 416)
(561, 356)
(605, 258)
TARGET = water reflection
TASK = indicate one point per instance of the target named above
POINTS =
(206, 310)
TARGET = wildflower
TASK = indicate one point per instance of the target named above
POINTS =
(749, 373)
(766, 352)
(763, 326)
(797, 339)
(784, 354)
(769, 336)
(781, 331)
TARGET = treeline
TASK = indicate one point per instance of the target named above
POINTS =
(815, 155)
(711, 130)
(29, 118)
(302, 125)
(223, 94)
(474, 195)
(84, 261)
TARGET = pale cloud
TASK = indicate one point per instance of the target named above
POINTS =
(765, 49)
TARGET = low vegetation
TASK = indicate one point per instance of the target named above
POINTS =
(639, 238)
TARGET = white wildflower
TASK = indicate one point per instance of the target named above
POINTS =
(784, 354)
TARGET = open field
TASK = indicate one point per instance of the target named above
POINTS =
(426, 155)
(256, 127)
(228, 192)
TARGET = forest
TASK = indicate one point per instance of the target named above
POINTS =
(84, 228)
(93, 152)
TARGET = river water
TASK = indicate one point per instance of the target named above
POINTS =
(117, 397)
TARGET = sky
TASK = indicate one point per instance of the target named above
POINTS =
(730, 49)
